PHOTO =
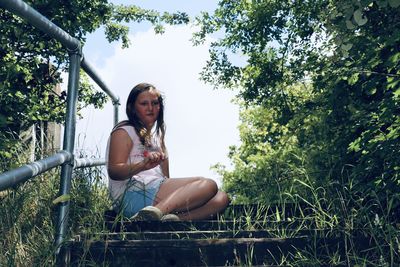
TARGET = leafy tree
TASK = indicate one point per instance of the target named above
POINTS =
(31, 62)
(347, 52)
(268, 158)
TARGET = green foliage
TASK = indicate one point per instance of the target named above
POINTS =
(344, 124)
(30, 67)
(364, 108)
(121, 13)
(275, 151)
(28, 215)
(31, 62)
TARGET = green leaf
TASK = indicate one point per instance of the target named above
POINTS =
(61, 199)
(19, 95)
(397, 93)
(338, 40)
(371, 91)
(350, 25)
(394, 3)
(359, 17)
(346, 47)
(392, 83)
(353, 79)
(354, 146)
(278, 216)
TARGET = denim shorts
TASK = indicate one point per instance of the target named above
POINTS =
(138, 196)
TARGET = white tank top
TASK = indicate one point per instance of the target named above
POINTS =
(118, 187)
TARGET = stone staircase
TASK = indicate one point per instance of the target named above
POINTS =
(242, 236)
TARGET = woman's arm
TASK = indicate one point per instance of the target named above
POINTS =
(120, 147)
(165, 167)
(119, 150)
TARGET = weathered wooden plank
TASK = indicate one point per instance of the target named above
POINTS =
(170, 235)
(242, 235)
(191, 252)
(260, 210)
(124, 226)
(253, 211)
(213, 251)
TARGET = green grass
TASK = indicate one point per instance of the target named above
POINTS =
(28, 215)
(334, 211)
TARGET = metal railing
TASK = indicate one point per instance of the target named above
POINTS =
(64, 158)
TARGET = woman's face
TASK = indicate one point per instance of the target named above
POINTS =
(147, 107)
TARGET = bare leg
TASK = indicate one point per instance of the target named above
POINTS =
(208, 210)
(196, 197)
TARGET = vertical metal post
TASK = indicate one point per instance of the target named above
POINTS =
(68, 145)
(92, 73)
(116, 106)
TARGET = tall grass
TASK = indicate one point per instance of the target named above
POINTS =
(28, 215)
(345, 227)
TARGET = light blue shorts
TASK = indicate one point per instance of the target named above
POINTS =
(138, 196)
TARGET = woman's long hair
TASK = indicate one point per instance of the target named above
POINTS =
(134, 121)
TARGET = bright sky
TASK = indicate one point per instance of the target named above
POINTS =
(201, 122)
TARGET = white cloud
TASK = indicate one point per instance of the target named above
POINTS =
(201, 123)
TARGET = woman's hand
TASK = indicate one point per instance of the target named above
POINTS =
(152, 159)
(119, 168)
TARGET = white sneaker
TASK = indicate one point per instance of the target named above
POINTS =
(170, 218)
(149, 213)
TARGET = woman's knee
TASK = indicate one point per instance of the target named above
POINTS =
(220, 200)
(223, 199)
(208, 185)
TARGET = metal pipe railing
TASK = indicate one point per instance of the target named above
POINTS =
(84, 162)
(65, 157)
(92, 73)
(69, 142)
(28, 171)
(24, 173)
